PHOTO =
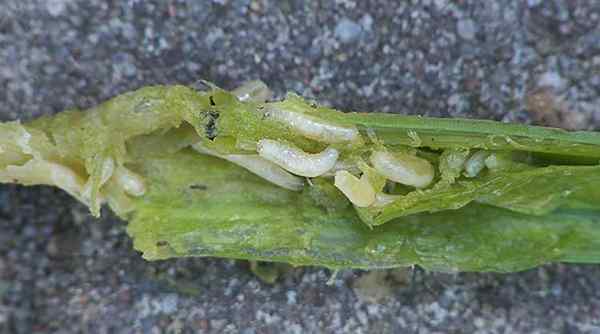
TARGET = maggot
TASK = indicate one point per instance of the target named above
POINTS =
(475, 164)
(295, 160)
(312, 127)
(132, 183)
(258, 166)
(358, 191)
(403, 168)
(253, 91)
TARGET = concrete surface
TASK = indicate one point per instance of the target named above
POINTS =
(61, 271)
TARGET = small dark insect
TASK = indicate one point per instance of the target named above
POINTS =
(198, 187)
(210, 128)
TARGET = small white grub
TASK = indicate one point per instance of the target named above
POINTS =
(267, 170)
(132, 183)
(253, 91)
(358, 191)
(383, 199)
(258, 166)
(498, 161)
(312, 127)
(492, 162)
(403, 168)
(297, 161)
(475, 163)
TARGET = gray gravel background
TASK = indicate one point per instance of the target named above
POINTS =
(517, 61)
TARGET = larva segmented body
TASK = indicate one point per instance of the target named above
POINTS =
(132, 183)
(253, 91)
(260, 167)
(314, 128)
(475, 164)
(403, 168)
(297, 161)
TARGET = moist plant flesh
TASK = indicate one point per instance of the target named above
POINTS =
(229, 174)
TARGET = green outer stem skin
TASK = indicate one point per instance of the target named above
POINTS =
(485, 134)
(151, 108)
(257, 221)
(537, 191)
(438, 133)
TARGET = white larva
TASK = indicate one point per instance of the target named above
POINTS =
(253, 91)
(268, 171)
(297, 161)
(132, 183)
(258, 166)
(492, 162)
(312, 127)
(403, 168)
(358, 191)
(475, 163)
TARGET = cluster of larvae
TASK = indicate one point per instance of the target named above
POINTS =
(113, 179)
(131, 183)
(114, 176)
(287, 166)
